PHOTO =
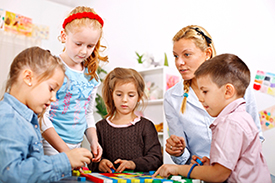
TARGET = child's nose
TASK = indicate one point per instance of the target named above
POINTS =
(200, 98)
(124, 98)
(53, 97)
(83, 50)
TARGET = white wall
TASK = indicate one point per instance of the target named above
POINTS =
(42, 12)
(245, 28)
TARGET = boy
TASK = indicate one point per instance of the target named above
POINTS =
(236, 152)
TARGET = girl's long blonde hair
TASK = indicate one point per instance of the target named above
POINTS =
(202, 40)
(91, 62)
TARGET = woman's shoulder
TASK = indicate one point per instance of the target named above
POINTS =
(177, 89)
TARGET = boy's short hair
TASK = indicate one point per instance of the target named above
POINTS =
(226, 68)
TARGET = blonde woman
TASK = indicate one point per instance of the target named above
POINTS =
(187, 119)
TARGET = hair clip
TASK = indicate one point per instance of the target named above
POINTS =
(208, 39)
(185, 95)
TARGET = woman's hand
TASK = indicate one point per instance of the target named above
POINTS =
(175, 145)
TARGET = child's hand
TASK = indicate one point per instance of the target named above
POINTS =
(79, 156)
(175, 145)
(124, 164)
(205, 160)
(197, 160)
(166, 170)
(105, 166)
(97, 151)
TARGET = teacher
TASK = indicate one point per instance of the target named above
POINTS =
(187, 119)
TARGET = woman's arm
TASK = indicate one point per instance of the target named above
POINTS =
(172, 119)
(251, 108)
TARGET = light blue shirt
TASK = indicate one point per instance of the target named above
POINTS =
(194, 124)
(21, 152)
(68, 113)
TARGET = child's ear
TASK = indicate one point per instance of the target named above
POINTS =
(27, 76)
(229, 91)
(63, 36)
(139, 99)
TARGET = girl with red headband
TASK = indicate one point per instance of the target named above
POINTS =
(71, 116)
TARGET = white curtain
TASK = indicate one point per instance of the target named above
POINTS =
(10, 45)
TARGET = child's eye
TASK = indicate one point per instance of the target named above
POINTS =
(90, 46)
(204, 92)
(131, 95)
(187, 54)
(118, 94)
(78, 44)
(51, 89)
(176, 56)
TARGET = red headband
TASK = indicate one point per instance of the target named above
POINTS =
(90, 15)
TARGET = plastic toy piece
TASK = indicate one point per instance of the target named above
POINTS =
(76, 173)
(81, 179)
(85, 168)
(199, 161)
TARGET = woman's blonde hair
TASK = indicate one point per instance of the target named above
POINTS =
(202, 40)
(92, 61)
(121, 76)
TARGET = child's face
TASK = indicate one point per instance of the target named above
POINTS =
(212, 97)
(43, 93)
(125, 97)
(80, 43)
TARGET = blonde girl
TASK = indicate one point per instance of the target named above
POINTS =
(72, 114)
(187, 119)
(34, 78)
(128, 141)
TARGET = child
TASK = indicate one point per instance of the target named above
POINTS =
(236, 153)
(128, 141)
(72, 114)
(34, 78)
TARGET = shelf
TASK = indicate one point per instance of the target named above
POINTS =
(151, 70)
(154, 110)
(157, 101)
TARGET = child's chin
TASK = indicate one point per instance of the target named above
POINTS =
(212, 115)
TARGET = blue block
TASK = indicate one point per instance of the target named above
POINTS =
(199, 161)
(81, 179)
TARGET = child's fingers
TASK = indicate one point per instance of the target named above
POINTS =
(121, 168)
(117, 161)
(197, 160)
(96, 158)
